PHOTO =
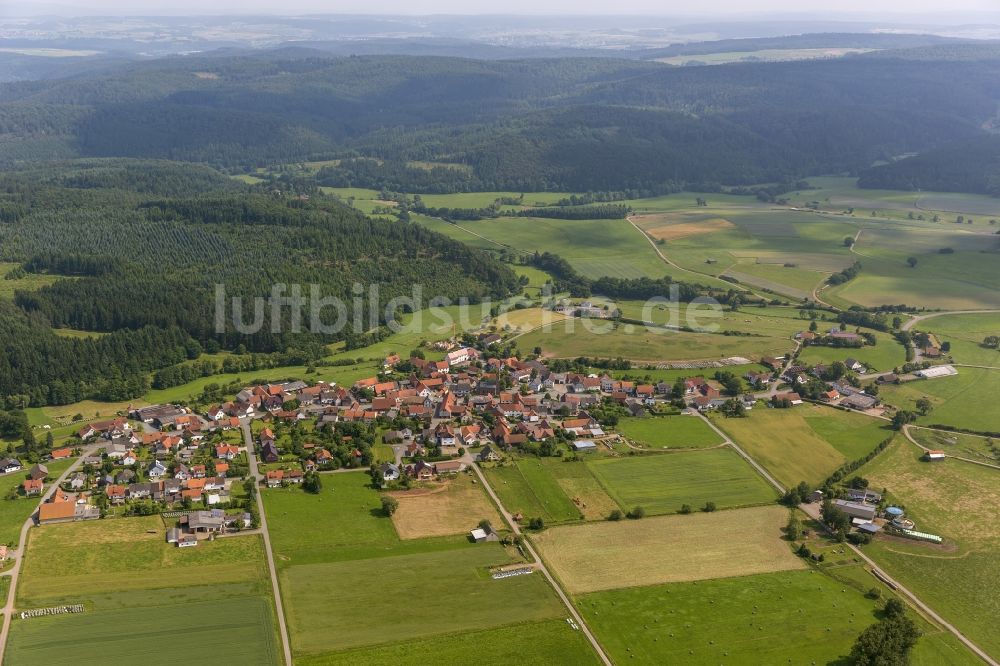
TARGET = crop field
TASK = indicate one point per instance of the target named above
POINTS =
(14, 512)
(667, 432)
(805, 443)
(956, 500)
(116, 566)
(772, 618)
(641, 344)
(222, 630)
(527, 487)
(974, 447)
(628, 553)
(772, 321)
(662, 483)
(547, 642)
(453, 508)
(966, 400)
(671, 226)
(528, 319)
(408, 597)
(344, 522)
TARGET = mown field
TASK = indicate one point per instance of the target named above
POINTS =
(663, 483)
(408, 597)
(966, 334)
(881, 357)
(527, 486)
(628, 553)
(136, 588)
(956, 500)
(455, 507)
(668, 432)
(804, 443)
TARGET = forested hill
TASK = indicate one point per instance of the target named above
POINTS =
(570, 123)
(142, 262)
(972, 166)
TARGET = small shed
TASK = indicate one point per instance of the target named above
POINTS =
(478, 535)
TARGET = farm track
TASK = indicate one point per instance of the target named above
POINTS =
(286, 645)
(812, 510)
(540, 565)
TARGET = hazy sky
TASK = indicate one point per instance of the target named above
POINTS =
(620, 7)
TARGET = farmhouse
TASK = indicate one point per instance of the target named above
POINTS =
(860, 401)
(8, 465)
(32, 487)
(488, 455)
(66, 511)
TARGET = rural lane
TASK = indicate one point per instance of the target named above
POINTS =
(544, 569)
(15, 571)
(279, 606)
(813, 511)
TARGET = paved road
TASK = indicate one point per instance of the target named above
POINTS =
(257, 477)
(15, 571)
(540, 565)
(813, 511)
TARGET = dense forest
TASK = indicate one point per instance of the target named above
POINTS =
(574, 124)
(972, 166)
(144, 267)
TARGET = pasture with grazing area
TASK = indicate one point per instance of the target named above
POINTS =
(13, 512)
(966, 334)
(668, 432)
(974, 447)
(804, 443)
(627, 553)
(661, 483)
(956, 500)
(454, 507)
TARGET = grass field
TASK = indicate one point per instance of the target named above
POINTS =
(966, 334)
(640, 344)
(984, 449)
(344, 522)
(339, 605)
(547, 642)
(70, 561)
(963, 401)
(651, 551)
(882, 357)
(662, 483)
(805, 443)
(30, 282)
(796, 617)
(956, 500)
(216, 595)
(453, 508)
(527, 487)
(666, 432)
(764, 55)
(14, 512)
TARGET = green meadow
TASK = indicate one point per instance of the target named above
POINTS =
(661, 483)
(667, 432)
(527, 487)
(966, 400)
